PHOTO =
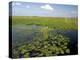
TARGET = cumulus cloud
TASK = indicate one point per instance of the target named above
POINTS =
(47, 7)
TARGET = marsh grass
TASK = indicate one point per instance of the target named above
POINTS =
(51, 22)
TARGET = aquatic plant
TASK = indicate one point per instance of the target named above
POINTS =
(52, 46)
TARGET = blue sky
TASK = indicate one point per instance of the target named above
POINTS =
(43, 9)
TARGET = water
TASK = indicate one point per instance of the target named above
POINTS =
(23, 33)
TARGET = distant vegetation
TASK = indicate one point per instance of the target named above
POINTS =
(51, 22)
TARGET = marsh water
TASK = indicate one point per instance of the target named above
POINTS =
(26, 33)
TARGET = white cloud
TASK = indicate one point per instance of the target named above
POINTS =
(47, 7)
(28, 6)
(73, 12)
(13, 4)
(18, 3)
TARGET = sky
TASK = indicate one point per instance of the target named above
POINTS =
(43, 9)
